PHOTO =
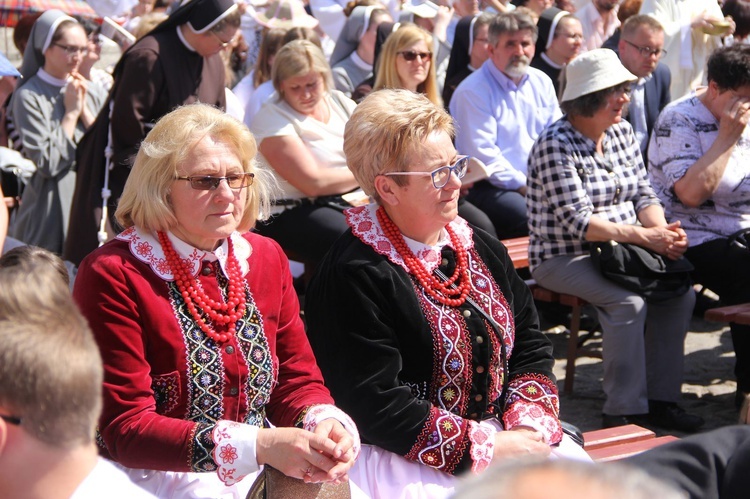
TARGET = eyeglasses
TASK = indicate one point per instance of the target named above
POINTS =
(211, 183)
(222, 42)
(11, 419)
(648, 51)
(442, 175)
(70, 50)
(410, 55)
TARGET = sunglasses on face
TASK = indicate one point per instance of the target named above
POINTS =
(410, 55)
(441, 176)
(211, 183)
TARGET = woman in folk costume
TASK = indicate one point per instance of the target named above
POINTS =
(424, 332)
(207, 371)
(176, 63)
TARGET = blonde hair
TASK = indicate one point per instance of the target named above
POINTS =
(50, 368)
(145, 199)
(386, 129)
(387, 73)
(298, 58)
(272, 42)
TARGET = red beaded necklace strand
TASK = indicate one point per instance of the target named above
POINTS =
(442, 291)
(196, 298)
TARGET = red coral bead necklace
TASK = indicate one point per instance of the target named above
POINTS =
(196, 298)
(442, 291)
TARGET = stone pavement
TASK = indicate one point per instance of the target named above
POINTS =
(708, 388)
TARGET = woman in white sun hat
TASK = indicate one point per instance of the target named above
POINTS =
(587, 183)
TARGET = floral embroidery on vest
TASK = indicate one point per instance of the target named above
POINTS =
(166, 388)
(442, 442)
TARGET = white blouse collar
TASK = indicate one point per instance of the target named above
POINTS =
(145, 247)
(48, 78)
(366, 227)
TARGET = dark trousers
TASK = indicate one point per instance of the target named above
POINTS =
(725, 269)
(475, 216)
(308, 231)
(506, 209)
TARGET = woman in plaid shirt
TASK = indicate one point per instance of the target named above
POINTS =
(587, 182)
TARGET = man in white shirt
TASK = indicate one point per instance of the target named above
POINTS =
(50, 390)
(500, 109)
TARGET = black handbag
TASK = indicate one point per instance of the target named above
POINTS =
(642, 271)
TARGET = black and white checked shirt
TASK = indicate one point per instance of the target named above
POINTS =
(568, 182)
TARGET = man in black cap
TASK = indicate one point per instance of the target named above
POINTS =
(177, 63)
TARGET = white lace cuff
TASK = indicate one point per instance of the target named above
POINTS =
(234, 450)
(482, 438)
(318, 413)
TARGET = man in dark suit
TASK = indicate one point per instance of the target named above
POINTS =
(640, 48)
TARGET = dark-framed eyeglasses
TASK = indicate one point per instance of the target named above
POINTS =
(410, 55)
(441, 176)
(648, 51)
(70, 50)
(211, 183)
(11, 419)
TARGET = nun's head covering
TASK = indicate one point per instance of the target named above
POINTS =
(355, 28)
(39, 41)
(461, 49)
(546, 26)
(199, 15)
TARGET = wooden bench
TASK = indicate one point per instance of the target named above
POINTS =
(612, 444)
(739, 314)
(518, 250)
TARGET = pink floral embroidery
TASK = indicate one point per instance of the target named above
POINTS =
(228, 454)
(146, 248)
(365, 226)
(482, 438)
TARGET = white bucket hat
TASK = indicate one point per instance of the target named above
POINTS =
(593, 71)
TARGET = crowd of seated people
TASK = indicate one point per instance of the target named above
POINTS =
(308, 146)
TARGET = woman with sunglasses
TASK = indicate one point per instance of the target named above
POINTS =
(51, 108)
(199, 327)
(424, 332)
(406, 62)
(587, 183)
(300, 132)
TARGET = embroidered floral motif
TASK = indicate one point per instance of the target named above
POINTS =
(482, 437)
(365, 226)
(442, 442)
(202, 449)
(146, 248)
(166, 388)
(228, 453)
(206, 378)
(533, 400)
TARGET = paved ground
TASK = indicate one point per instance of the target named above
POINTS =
(708, 389)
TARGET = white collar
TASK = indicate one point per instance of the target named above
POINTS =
(549, 61)
(359, 62)
(48, 78)
(145, 247)
(183, 40)
(366, 227)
